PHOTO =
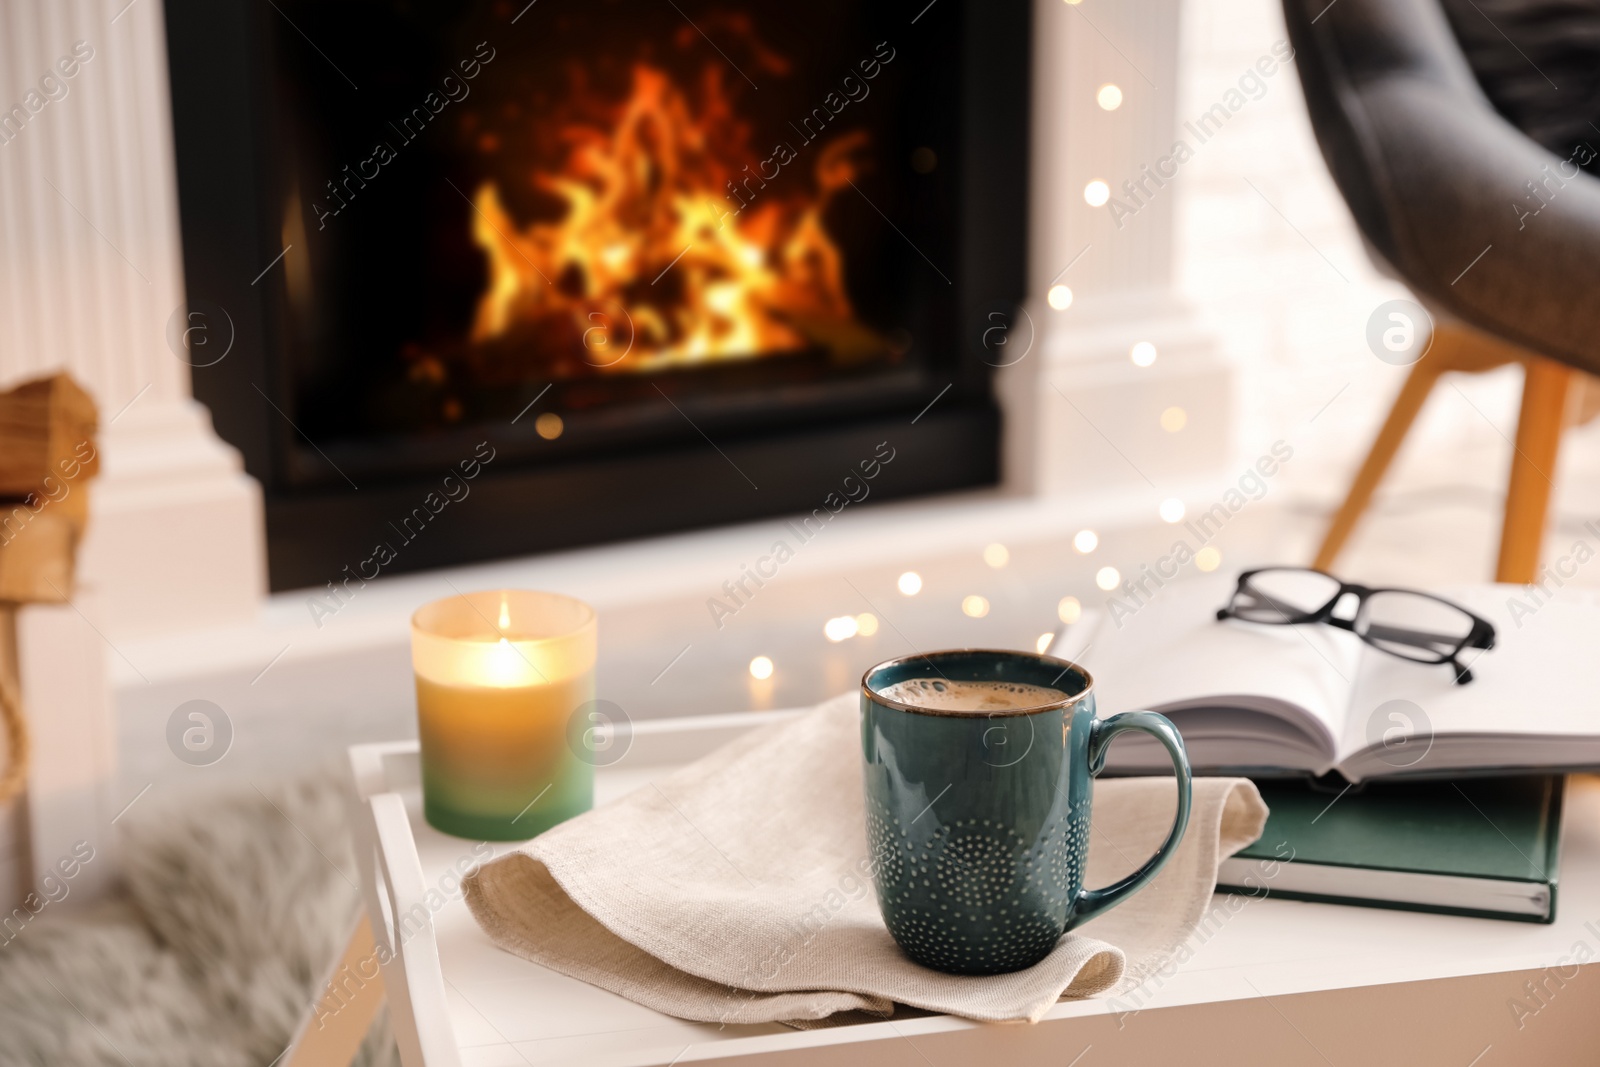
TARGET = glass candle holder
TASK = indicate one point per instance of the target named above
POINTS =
(500, 677)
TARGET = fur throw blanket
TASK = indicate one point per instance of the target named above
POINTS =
(235, 905)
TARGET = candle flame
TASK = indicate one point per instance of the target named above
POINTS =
(507, 666)
(505, 615)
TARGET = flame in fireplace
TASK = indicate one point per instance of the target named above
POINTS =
(668, 250)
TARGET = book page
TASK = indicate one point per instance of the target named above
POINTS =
(1173, 652)
(1538, 681)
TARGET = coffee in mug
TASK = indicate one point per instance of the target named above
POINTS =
(972, 698)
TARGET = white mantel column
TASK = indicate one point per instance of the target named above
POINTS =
(91, 272)
(1081, 415)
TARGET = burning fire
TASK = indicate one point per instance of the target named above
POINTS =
(654, 257)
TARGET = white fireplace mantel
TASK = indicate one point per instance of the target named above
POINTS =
(91, 274)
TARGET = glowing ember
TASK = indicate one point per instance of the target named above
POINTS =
(654, 259)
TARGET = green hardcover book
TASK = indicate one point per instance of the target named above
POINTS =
(1486, 847)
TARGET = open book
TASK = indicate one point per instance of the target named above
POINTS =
(1256, 699)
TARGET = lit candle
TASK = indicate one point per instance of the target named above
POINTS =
(500, 677)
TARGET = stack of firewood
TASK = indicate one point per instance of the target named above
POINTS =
(47, 458)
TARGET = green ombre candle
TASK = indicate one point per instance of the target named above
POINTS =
(500, 676)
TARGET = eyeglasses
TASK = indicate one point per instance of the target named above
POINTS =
(1402, 622)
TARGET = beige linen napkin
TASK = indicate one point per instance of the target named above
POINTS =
(737, 889)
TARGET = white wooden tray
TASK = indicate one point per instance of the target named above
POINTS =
(1270, 981)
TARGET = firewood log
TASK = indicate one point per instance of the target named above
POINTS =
(47, 429)
(47, 457)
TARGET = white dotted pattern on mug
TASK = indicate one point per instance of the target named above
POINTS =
(982, 869)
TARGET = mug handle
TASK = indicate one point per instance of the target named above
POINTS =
(1092, 902)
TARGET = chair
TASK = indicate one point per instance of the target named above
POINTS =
(1443, 190)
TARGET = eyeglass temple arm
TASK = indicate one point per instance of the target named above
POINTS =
(1414, 638)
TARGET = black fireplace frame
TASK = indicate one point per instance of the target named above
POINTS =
(948, 439)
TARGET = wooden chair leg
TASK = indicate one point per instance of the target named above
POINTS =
(1533, 469)
(1418, 385)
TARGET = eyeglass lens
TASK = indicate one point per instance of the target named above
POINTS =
(1280, 596)
(1412, 625)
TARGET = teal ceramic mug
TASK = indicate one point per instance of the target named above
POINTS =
(978, 820)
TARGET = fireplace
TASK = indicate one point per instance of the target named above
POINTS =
(482, 279)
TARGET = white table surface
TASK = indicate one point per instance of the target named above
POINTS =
(1293, 956)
